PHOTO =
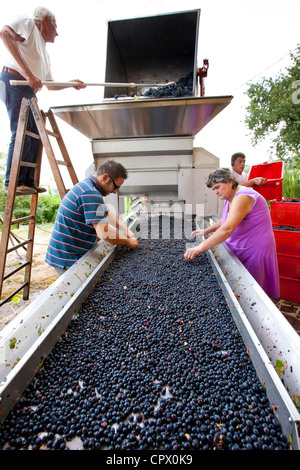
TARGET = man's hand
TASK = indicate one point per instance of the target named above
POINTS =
(259, 180)
(132, 242)
(130, 234)
(80, 84)
(107, 232)
(34, 82)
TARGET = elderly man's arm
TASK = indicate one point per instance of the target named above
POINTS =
(11, 40)
(79, 85)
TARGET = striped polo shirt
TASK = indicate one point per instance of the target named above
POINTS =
(73, 233)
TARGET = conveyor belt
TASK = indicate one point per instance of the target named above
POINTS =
(23, 347)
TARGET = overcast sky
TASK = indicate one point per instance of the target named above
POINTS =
(243, 40)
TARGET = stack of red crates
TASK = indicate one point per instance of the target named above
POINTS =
(284, 214)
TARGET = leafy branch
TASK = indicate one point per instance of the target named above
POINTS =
(274, 111)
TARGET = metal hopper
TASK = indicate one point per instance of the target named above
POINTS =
(153, 136)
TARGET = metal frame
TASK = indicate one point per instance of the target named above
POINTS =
(171, 117)
(34, 332)
(9, 207)
(30, 105)
(264, 330)
(27, 340)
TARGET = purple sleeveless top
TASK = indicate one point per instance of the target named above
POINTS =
(254, 244)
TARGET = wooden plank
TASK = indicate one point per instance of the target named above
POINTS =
(43, 135)
(62, 147)
(11, 194)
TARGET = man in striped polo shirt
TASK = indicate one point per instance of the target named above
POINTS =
(83, 216)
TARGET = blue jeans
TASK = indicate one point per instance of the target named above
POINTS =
(12, 98)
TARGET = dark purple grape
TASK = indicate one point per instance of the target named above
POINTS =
(153, 360)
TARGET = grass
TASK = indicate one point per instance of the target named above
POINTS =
(291, 183)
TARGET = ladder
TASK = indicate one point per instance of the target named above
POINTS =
(30, 105)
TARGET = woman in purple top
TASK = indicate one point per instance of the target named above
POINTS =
(245, 227)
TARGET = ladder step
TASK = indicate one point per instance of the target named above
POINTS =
(53, 134)
(14, 271)
(32, 134)
(43, 136)
(28, 164)
(15, 247)
(22, 219)
(13, 294)
(62, 162)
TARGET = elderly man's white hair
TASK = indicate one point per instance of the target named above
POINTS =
(40, 12)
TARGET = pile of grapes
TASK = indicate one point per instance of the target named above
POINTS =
(289, 228)
(183, 87)
(153, 360)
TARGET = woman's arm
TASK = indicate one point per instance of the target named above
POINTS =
(240, 207)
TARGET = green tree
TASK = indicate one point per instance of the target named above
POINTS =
(274, 111)
(47, 205)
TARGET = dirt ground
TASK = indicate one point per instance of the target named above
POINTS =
(42, 276)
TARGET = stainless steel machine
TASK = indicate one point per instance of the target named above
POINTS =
(153, 137)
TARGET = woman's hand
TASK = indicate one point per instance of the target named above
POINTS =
(195, 233)
(191, 253)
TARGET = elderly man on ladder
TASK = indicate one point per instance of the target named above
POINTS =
(25, 39)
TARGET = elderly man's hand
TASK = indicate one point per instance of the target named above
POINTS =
(80, 84)
(34, 82)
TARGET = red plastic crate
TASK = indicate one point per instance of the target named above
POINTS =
(273, 172)
(287, 242)
(289, 266)
(285, 213)
(288, 256)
